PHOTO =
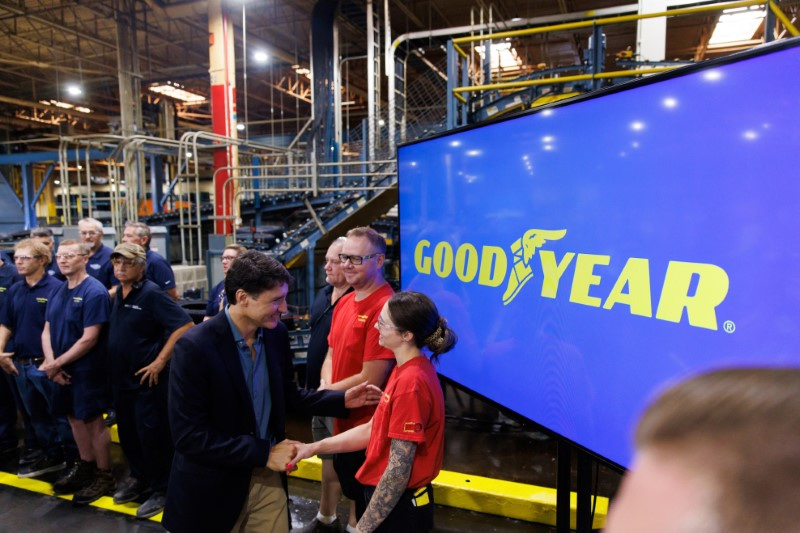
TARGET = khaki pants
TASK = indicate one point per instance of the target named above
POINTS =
(266, 508)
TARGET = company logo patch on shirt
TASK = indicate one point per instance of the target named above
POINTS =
(95, 266)
(386, 398)
(362, 318)
(77, 299)
(2, 289)
(133, 306)
(412, 427)
(41, 300)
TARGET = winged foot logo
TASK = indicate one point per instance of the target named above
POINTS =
(697, 288)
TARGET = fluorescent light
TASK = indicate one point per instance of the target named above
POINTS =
(504, 56)
(735, 25)
(177, 91)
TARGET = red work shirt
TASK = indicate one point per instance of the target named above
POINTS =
(354, 340)
(412, 408)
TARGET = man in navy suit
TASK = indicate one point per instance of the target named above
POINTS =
(231, 384)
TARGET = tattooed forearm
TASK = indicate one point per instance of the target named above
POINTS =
(393, 483)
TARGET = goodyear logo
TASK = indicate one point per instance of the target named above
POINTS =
(578, 273)
(41, 300)
(362, 318)
(77, 299)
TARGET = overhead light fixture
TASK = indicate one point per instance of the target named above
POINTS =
(302, 71)
(178, 92)
(261, 56)
(737, 25)
(66, 105)
(240, 126)
(74, 90)
(504, 56)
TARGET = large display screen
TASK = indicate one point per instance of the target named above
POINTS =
(592, 253)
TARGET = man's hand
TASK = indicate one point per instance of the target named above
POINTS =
(62, 378)
(361, 395)
(150, 373)
(7, 364)
(51, 367)
(281, 454)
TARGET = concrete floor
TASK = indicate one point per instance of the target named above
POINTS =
(479, 441)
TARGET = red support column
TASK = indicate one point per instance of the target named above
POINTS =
(223, 109)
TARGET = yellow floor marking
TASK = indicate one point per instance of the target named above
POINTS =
(42, 487)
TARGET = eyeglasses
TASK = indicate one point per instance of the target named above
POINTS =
(24, 258)
(117, 261)
(68, 257)
(356, 259)
(384, 325)
(228, 257)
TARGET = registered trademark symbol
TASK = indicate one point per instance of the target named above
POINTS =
(729, 326)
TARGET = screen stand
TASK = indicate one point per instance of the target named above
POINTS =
(583, 518)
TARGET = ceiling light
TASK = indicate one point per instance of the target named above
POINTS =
(74, 90)
(261, 56)
(504, 56)
(178, 92)
(735, 25)
(240, 126)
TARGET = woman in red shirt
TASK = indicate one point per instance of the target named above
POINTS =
(405, 437)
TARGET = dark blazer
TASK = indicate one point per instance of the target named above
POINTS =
(214, 427)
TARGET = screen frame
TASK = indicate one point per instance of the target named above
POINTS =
(754, 52)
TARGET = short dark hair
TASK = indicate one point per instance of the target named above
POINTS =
(414, 312)
(41, 232)
(254, 272)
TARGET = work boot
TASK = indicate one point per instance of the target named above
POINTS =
(102, 485)
(79, 475)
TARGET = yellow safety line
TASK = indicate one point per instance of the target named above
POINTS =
(485, 495)
(104, 502)
(461, 491)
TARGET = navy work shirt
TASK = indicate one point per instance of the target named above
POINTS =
(320, 321)
(158, 271)
(216, 299)
(256, 376)
(24, 314)
(70, 312)
(8, 277)
(99, 266)
(139, 326)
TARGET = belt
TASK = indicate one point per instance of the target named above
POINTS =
(29, 359)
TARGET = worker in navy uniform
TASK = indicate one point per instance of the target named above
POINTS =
(45, 236)
(22, 320)
(145, 324)
(216, 298)
(8, 400)
(322, 427)
(158, 269)
(230, 387)
(75, 358)
(99, 264)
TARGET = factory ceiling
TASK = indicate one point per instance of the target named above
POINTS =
(48, 45)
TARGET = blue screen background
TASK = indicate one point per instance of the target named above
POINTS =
(698, 168)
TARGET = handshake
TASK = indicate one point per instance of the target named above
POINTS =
(284, 456)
